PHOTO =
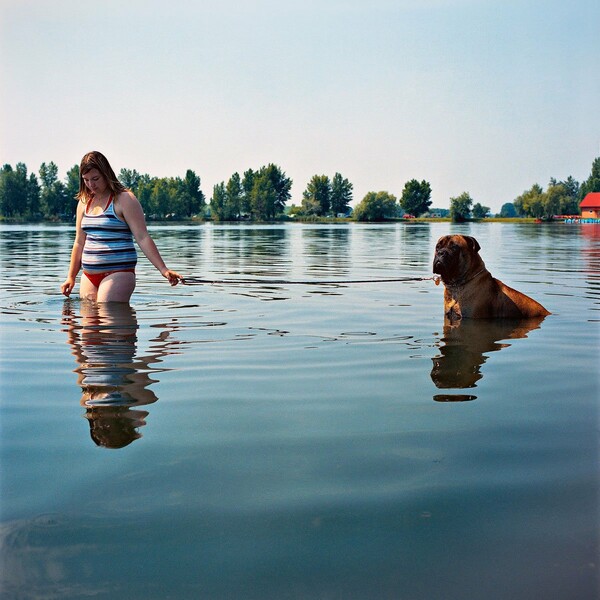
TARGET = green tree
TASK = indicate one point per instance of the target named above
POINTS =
(48, 174)
(161, 197)
(143, 192)
(341, 195)
(553, 200)
(191, 197)
(508, 211)
(316, 198)
(217, 202)
(13, 193)
(562, 198)
(295, 210)
(281, 185)
(247, 185)
(266, 192)
(33, 197)
(592, 183)
(234, 193)
(263, 197)
(376, 206)
(531, 202)
(416, 197)
(309, 207)
(571, 186)
(130, 178)
(71, 191)
(19, 193)
(480, 211)
(72, 182)
(53, 196)
(460, 207)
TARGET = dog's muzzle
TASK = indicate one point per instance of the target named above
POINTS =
(439, 262)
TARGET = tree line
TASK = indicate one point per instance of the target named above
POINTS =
(258, 196)
(559, 198)
(263, 194)
(24, 196)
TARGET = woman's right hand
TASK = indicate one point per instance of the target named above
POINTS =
(67, 287)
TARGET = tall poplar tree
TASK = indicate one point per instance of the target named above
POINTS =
(54, 197)
(341, 195)
(233, 199)
(13, 193)
(191, 197)
(247, 185)
(217, 202)
(34, 209)
(281, 186)
(71, 191)
(316, 198)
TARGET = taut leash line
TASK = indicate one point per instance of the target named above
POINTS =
(202, 281)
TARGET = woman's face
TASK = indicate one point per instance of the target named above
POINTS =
(95, 182)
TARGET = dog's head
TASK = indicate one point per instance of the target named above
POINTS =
(456, 256)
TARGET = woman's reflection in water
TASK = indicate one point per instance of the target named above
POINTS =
(114, 381)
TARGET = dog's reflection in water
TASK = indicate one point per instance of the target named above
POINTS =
(114, 380)
(464, 348)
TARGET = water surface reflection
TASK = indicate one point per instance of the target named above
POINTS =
(464, 348)
(114, 379)
(296, 451)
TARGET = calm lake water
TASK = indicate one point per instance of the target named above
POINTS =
(326, 441)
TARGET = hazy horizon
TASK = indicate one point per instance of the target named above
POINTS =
(480, 96)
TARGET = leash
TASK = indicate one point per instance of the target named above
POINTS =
(202, 281)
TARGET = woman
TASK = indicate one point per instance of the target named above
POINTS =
(109, 217)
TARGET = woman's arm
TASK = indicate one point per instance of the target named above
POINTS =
(76, 252)
(131, 212)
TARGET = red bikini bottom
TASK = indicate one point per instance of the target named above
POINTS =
(96, 278)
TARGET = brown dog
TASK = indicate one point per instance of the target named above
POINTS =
(471, 291)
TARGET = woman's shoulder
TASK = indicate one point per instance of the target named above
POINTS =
(126, 196)
(125, 199)
(127, 206)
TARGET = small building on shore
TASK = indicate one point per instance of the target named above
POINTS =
(590, 206)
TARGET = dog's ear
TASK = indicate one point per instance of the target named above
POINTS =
(473, 243)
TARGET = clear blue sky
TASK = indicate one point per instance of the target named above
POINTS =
(482, 96)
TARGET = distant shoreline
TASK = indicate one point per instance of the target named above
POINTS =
(309, 221)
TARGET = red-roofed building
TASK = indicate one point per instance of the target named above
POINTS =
(590, 206)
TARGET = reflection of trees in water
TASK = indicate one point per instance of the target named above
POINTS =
(393, 248)
(252, 251)
(114, 380)
(414, 238)
(327, 250)
(188, 243)
(464, 348)
(23, 248)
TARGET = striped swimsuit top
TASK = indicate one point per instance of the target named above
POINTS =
(108, 243)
